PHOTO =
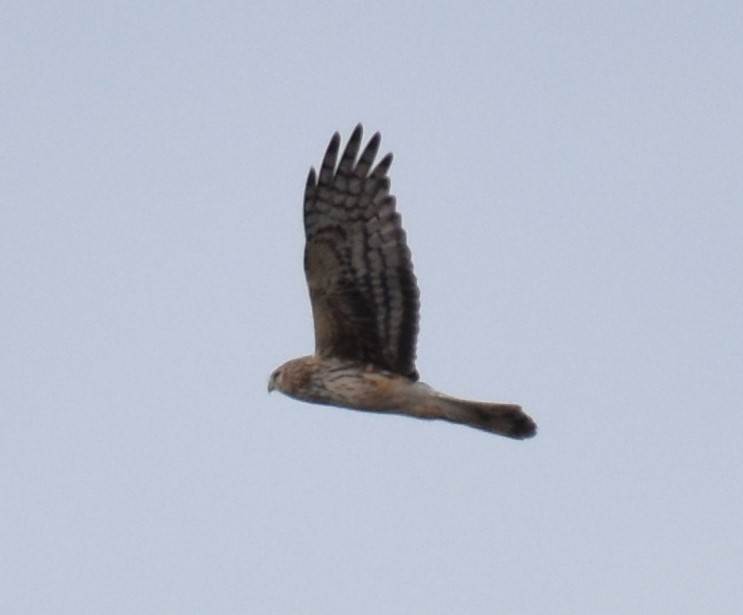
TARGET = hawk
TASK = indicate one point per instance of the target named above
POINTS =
(365, 302)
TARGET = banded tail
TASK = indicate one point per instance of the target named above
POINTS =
(504, 419)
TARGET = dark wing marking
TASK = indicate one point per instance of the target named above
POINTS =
(364, 295)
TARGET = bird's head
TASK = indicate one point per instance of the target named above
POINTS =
(274, 381)
(292, 377)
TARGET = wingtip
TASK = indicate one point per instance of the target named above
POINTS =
(335, 141)
(383, 166)
(311, 177)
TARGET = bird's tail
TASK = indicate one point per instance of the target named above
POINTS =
(504, 419)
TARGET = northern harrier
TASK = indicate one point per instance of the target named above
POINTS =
(365, 302)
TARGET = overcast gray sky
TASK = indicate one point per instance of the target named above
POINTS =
(570, 175)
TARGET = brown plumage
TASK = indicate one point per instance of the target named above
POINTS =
(365, 302)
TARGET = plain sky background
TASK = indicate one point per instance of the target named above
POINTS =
(570, 175)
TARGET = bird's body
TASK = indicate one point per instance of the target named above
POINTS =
(365, 303)
(347, 384)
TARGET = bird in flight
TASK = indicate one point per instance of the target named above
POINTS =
(365, 302)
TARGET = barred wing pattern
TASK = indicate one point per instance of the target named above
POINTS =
(365, 303)
(364, 296)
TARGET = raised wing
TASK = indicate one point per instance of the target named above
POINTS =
(364, 295)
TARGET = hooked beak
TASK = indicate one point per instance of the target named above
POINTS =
(270, 385)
